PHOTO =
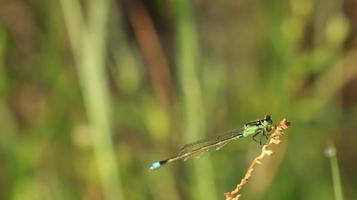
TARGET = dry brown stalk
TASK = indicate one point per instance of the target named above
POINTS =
(274, 139)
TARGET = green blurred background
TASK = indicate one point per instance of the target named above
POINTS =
(93, 91)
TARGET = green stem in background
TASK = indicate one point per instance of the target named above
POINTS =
(3, 81)
(74, 21)
(188, 54)
(8, 129)
(90, 50)
(336, 178)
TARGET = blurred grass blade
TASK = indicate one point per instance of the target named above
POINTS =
(192, 96)
(74, 21)
(90, 57)
(336, 178)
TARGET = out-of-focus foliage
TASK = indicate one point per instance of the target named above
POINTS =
(92, 92)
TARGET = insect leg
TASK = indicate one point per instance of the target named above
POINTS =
(259, 131)
(265, 134)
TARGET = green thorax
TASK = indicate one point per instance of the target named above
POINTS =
(258, 126)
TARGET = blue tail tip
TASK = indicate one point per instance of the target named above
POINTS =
(155, 165)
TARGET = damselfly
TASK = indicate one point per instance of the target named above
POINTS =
(261, 127)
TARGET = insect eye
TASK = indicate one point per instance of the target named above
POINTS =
(268, 118)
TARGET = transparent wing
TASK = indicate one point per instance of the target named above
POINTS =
(196, 148)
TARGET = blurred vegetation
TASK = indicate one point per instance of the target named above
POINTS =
(92, 92)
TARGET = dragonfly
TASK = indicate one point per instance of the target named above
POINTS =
(260, 127)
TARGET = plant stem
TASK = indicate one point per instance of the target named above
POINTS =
(188, 55)
(335, 171)
(88, 42)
